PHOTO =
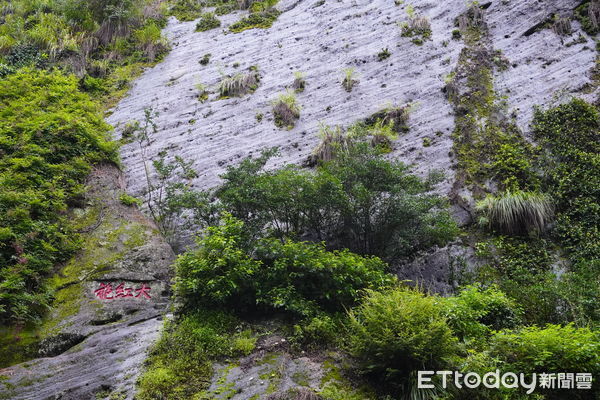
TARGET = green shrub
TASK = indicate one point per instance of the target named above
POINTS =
(50, 136)
(186, 10)
(261, 20)
(570, 133)
(358, 201)
(151, 41)
(516, 212)
(553, 348)
(395, 332)
(475, 312)
(128, 200)
(301, 278)
(207, 22)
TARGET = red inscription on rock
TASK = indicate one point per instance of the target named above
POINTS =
(106, 291)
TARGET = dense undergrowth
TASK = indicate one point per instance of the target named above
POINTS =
(50, 136)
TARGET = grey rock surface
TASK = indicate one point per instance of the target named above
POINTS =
(95, 342)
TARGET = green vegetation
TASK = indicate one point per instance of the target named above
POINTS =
(516, 212)
(418, 27)
(180, 365)
(299, 83)
(262, 16)
(104, 43)
(359, 201)
(396, 332)
(50, 136)
(588, 14)
(229, 269)
(286, 110)
(240, 84)
(349, 80)
(128, 200)
(384, 54)
(207, 22)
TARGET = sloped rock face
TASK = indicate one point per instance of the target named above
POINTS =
(110, 300)
(321, 39)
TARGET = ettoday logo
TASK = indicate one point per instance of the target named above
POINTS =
(508, 380)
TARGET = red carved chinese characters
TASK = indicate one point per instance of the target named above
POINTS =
(106, 292)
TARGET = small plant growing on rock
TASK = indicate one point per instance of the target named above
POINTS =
(562, 26)
(383, 135)
(286, 110)
(418, 27)
(240, 84)
(333, 142)
(348, 82)
(299, 82)
(202, 92)
(128, 200)
(205, 59)
(384, 54)
(516, 212)
(207, 22)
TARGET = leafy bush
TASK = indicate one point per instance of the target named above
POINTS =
(475, 312)
(128, 200)
(301, 278)
(50, 136)
(207, 22)
(551, 349)
(151, 41)
(286, 110)
(395, 332)
(358, 201)
(516, 212)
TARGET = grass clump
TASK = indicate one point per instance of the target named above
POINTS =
(207, 22)
(202, 92)
(239, 84)
(516, 212)
(417, 27)
(333, 142)
(299, 83)
(286, 110)
(384, 54)
(349, 80)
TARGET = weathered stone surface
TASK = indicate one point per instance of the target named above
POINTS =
(439, 270)
(92, 347)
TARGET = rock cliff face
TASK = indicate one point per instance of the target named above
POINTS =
(94, 346)
(321, 39)
(96, 337)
